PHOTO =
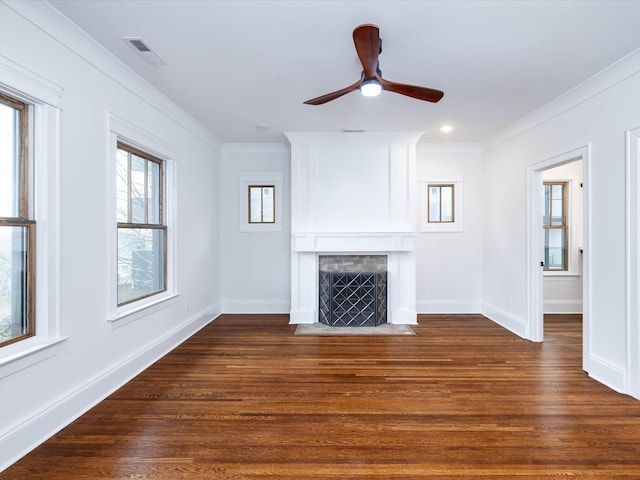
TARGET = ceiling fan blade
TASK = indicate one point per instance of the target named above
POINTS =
(367, 41)
(333, 95)
(421, 93)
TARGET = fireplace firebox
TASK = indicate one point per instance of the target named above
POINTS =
(352, 290)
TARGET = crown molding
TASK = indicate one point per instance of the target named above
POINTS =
(625, 68)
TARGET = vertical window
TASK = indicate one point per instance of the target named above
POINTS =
(262, 203)
(142, 232)
(555, 226)
(440, 203)
(17, 227)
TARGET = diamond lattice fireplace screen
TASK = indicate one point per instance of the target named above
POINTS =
(353, 290)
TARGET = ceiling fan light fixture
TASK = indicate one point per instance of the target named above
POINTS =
(371, 87)
(366, 39)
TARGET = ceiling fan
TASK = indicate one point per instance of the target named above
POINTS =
(368, 46)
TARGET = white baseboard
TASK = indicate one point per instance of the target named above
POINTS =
(26, 436)
(256, 306)
(506, 319)
(562, 306)
(610, 375)
(448, 306)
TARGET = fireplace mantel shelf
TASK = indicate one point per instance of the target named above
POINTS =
(354, 242)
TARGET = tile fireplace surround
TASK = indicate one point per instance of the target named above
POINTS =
(353, 194)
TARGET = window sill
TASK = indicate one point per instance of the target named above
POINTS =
(441, 228)
(21, 355)
(560, 274)
(143, 308)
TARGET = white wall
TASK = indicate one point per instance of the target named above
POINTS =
(255, 268)
(98, 355)
(596, 115)
(256, 265)
(449, 263)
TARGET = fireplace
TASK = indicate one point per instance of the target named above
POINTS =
(352, 290)
(353, 196)
(397, 248)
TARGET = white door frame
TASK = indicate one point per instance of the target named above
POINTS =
(633, 262)
(535, 247)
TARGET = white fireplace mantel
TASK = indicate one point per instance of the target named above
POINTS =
(352, 195)
(354, 242)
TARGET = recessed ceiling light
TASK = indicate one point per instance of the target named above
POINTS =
(446, 128)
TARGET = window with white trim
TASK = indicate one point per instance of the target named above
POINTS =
(261, 202)
(142, 256)
(29, 195)
(441, 203)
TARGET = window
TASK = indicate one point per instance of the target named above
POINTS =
(17, 228)
(29, 218)
(555, 226)
(262, 203)
(441, 203)
(259, 209)
(142, 232)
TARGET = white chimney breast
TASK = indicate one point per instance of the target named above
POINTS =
(353, 194)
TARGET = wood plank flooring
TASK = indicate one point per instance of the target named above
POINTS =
(246, 399)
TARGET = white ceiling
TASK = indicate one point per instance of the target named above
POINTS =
(236, 64)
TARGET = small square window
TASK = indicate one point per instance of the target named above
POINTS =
(259, 209)
(262, 203)
(441, 203)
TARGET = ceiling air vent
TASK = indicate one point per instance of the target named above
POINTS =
(144, 50)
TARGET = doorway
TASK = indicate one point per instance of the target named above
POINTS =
(567, 264)
(563, 238)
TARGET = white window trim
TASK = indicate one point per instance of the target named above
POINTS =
(457, 182)
(122, 130)
(264, 178)
(45, 98)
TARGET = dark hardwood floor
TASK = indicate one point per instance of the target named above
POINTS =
(246, 399)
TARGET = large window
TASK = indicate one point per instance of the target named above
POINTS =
(17, 228)
(142, 231)
(555, 226)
